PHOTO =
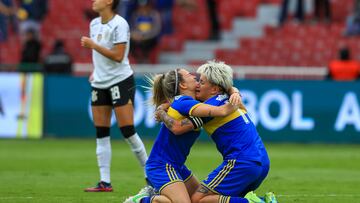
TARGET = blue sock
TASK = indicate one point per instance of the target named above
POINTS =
(232, 199)
(238, 200)
(145, 200)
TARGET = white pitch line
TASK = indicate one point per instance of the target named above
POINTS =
(319, 195)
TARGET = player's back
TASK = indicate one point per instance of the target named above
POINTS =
(235, 135)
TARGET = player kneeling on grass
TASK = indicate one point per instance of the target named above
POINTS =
(165, 168)
(245, 160)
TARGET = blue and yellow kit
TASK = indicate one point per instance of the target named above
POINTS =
(168, 155)
(245, 160)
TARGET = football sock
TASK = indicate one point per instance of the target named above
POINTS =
(146, 200)
(232, 199)
(238, 200)
(103, 153)
(138, 148)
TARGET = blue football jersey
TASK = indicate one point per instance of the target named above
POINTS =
(172, 148)
(235, 135)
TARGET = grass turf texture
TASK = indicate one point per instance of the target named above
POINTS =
(58, 170)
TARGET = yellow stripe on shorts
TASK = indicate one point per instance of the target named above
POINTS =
(222, 174)
(171, 173)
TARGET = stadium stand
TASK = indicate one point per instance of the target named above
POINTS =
(252, 38)
(249, 35)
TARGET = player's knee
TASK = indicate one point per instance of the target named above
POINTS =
(196, 198)
(127, 131)
(102, 132)
(181, 200)
(161, 199)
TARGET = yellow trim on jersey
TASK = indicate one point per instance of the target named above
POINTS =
(217, 122)
(192, 108)
(175, 114)
(222, 174)
(178, 116)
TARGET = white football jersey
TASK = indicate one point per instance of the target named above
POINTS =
(108, 72)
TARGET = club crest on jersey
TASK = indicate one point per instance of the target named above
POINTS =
(177, 97)
(99, 37)
(221, 97)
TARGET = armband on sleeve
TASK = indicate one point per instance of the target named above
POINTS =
(196, 121)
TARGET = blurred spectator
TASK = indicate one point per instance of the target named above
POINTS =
(126, 8)
(6, 10)
(344, 68)
(353, 21)
(31, 13)
(322, 10)
(299, 13)
(58, 61)
(214, 20)
(165, 8)
(30, 55)
(145, 30)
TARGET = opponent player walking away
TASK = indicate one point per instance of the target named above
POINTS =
(113, 86)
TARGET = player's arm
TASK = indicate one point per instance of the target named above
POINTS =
(235, 98)
(178, 127)
(116, 53)
(175, 126)
(205, 110)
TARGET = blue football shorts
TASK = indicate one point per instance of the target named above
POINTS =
(161, 174)
(236, 177)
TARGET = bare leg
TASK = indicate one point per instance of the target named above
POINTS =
(204, 194)
(124, 115)
(160, 199)
(177, 193)
(192, 185)
(101, 115)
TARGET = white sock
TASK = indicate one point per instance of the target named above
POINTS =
(138, 148)
(103, 153)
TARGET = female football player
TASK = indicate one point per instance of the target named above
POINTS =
(165, 167)
(113, 86)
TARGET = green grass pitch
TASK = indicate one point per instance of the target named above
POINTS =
(51, 171)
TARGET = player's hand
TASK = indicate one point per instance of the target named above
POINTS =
(235, 99)
(161, 109)
(87, 42)
(163, 106)
(157, 115)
